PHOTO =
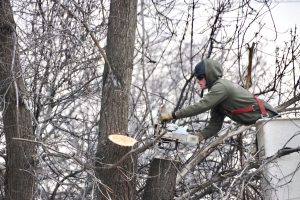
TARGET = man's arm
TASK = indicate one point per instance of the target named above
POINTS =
(215, 124)
(213, 98)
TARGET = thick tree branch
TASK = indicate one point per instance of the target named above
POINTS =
(282, 107)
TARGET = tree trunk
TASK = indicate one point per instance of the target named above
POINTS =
(162, 180)
(20, 182)
(117, 183)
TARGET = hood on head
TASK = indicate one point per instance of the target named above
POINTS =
(213, 71)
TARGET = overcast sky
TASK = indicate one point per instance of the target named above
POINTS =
(287, 14)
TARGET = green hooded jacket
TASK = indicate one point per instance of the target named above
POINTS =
(223, 96)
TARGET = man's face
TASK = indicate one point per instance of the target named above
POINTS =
(202, 83)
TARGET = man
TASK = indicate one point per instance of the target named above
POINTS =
(223, 99)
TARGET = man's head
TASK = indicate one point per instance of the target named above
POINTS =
(199, 73)
(208, 72)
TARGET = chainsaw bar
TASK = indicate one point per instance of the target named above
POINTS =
(173, 135)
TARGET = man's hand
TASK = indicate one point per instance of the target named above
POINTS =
(165, 117)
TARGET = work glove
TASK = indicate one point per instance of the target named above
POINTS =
(164, 117)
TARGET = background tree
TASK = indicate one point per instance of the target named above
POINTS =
(61, 74)
(20, 155)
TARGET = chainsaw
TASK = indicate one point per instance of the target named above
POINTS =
(172, 135)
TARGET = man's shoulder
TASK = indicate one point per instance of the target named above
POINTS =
(225, 83)
(222, 80)
(229, 86)
(228, 83)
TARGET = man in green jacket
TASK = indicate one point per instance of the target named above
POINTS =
(223, 99)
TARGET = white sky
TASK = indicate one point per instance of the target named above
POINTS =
(287, 14)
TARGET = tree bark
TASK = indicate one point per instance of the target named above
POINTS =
(20, 156)
(162, 180)
(117, 182)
